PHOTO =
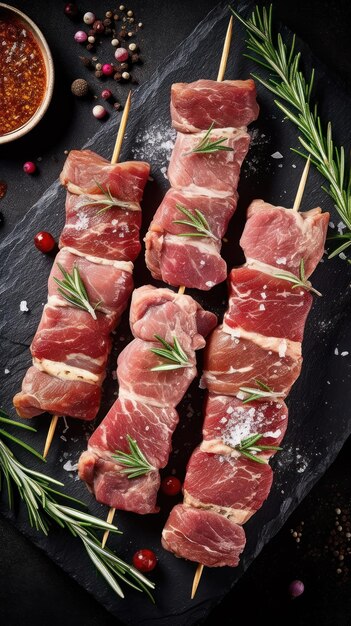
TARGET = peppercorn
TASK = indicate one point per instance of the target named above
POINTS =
(90, 47)
(108, 31)
(125, 75)
(98, 66)
(130, 34)
(98, 26)
(117, 76)
(107, 22)
(116, 17)
(117, 106)
(115, 42)
(135, 58)
(108, 14)
(132, 47)
(122, 7)
(140, 24)
(122, 34)
(86, 62)
(80, 88)
(71, 10)
(124, 66)
(98, 74)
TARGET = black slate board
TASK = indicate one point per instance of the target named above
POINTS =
(319, 420)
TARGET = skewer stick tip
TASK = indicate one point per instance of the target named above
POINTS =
(121, 130)
(181, 289)
(50, 435)
(109, 520)
(196, 580)
(225, 53)
(302, 185)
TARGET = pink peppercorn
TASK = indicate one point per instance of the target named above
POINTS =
(106, 94)
(107, 69)
(121, 54)
(99, 111)
(29, 167)
(80, 36)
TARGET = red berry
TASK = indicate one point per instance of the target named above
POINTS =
(71, 10)
(44, 241)
(106, 94)
(107, 69)
(145, 560)
(171, 485)
(29, 167)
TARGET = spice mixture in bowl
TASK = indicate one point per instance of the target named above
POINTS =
(26, 74)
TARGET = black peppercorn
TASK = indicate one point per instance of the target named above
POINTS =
(86, 62)
(117, 76)
(98, 73)
(124, 66)
(98, 26)
(80, 88)
(117, 106)
(135, 58)
(90, 47)
(107, 22)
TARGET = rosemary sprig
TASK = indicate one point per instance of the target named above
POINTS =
(134, 462)
(73, 290)
(298, 281)
(109, 201)
(261, 391)
(174, 353)
(287, 81)
(38, 492)
(206, 146)
(197, 221)
(249, 447)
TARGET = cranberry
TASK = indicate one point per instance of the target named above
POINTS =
(29, 167)
(145, 560)
(71, 10)
(44, 241)
(171, 485)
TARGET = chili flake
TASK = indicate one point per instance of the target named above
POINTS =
(22, 75)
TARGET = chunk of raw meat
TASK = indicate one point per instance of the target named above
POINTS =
(228, 421)
(157, 388)
(85, 172)
(71, 336)
(110, 234)
(167, 313)
(231, 363)
(263, 304)
(108, 284)
(235, 488)
(41, 393)
(281, 237)
(195, 106)
(203, 536)
(113, 488)
(218, 172)
(149, 425)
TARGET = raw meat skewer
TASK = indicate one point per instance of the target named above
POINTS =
(181, 290)
(213, 443)
(115, 157)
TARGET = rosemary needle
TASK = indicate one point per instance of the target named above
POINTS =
(206, 146)
(175, 354)
(134, 462)
(72, 289)
(298, 281)
(249, 448)
(197, 221)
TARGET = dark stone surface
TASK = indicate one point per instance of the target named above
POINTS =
(32, 588)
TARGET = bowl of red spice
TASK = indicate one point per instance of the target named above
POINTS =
(26, 74)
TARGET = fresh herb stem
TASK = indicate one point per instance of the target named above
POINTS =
(73, 290)
(206, 146)
(298, 281)
(261, 391)
(287, 81)
(197, 221)
(175, 354)
(108, 201)
(250, 448)
(38, 493)
(134, 462)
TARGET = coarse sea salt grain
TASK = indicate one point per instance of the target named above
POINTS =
(23, 306)
(336, 351)
(82, 222)
(6, 371)
(283, 346)
(344, 353)
(281, 260)
(277, 155)
(262, 307)
(70, 467)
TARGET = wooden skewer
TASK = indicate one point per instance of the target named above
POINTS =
(302, 185)
(115, 157)
(220, 77)
(297, 203)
